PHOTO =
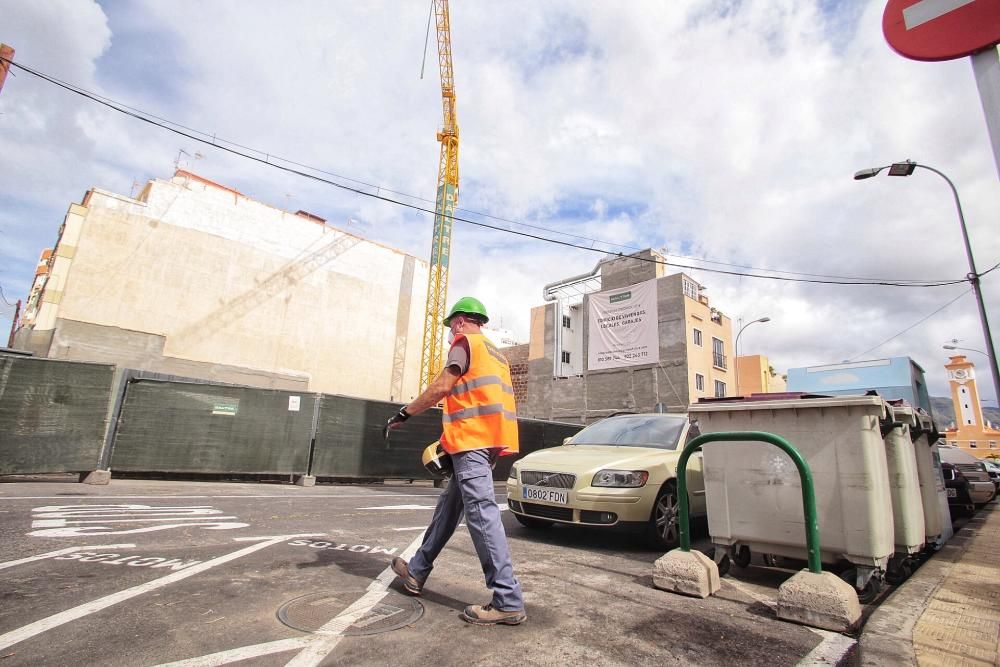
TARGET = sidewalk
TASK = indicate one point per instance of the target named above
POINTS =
(948, 612)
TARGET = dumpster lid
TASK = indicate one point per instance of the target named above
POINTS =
(785, 400)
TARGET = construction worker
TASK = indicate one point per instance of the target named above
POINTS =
(479, 423)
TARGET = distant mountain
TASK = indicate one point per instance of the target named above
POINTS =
(944, 412)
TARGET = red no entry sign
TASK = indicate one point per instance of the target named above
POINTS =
(941, 29)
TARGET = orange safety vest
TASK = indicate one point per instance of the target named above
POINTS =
(479, 413)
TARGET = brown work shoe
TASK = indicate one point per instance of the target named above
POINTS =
(489, 615)
(410, 583)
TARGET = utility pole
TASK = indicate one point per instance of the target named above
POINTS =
(6, 56)
(13, 324)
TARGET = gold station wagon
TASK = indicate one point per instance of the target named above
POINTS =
(618, 472)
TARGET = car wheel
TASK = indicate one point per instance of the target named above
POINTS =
(531, 522)
(664, 529)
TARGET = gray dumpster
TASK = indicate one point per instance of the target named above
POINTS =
(909, 528)
(937, 524)
(754, 495)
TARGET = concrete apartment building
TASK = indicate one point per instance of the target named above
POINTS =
(692, 345)
(970, 432)
(195, 279)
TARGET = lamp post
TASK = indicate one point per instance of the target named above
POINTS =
(736, 347)
(967, 349)
(906, 168)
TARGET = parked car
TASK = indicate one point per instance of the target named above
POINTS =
(620, 472)
(958, 490)
(981, 487)
(994, 471)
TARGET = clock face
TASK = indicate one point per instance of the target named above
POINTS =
(960, 374)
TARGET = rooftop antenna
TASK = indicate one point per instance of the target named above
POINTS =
(177, 160)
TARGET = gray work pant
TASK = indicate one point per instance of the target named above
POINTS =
(471, 490)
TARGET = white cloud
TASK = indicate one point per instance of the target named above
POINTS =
(728, 131)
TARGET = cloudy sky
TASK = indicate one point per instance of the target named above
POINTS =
(724, 133)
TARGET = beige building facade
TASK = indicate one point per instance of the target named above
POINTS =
(195, 279)
(755, 375)
(971, 432)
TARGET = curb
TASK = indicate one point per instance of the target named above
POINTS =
(887, 637)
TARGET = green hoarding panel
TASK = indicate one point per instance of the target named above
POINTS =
(349, 442)
(203, 428)
(53, 414)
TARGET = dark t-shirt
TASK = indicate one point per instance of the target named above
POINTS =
(458, 356)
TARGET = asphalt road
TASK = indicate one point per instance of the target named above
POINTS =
(147, 572)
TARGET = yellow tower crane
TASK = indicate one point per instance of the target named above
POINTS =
(432, 360)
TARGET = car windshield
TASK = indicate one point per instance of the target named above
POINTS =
(659, 430)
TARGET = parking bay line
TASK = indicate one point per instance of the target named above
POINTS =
(40, 626)
(316, 648)
(168, 496)
(60, 552)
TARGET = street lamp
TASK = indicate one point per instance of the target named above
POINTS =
(967, 349)
(736, 346)
(906, 168)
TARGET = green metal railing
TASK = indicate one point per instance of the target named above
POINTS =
(808, 490)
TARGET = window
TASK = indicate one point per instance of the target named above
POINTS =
(566, 322)
(972, 444)
(690, 288)
(954, 443)
(697, 337)
(720, 389)
(699, 382)
(565, 357)
(718, 353)
(993, 444)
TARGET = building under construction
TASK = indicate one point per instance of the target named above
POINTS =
(192, 278)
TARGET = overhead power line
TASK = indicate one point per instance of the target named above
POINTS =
(920, 321)
(273, 161)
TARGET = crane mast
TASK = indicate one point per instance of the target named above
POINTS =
(432, 360)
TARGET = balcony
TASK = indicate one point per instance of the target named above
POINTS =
(719, 360)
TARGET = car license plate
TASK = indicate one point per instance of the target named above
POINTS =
(952, 493)
(558, 496)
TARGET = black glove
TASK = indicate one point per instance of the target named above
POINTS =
(397, 418)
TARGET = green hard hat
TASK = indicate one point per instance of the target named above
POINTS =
(470, 306)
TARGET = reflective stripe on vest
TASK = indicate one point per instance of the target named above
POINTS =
(482, 382)
(479, 411)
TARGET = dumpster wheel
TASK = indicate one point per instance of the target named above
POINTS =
(872, 587)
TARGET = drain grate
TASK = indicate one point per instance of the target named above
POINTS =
(309, 613)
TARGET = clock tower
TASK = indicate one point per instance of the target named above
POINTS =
(971, 432)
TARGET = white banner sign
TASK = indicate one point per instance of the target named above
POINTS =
(623, 327)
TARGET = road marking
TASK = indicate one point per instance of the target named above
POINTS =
(399, 507)
(244, 653)
(320, 645)
(829, 651)
(55, 520)
(921, 12)
(38, 627)
(333, 631)
(60, 552)
(288, 497)
(399, 530)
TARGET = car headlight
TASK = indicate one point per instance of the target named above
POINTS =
(513, 473)
(620, 478)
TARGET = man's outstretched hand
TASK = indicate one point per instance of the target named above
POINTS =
(395, 421)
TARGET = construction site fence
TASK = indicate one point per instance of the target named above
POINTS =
(60, 416)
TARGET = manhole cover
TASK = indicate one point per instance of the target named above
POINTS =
(311, 612)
